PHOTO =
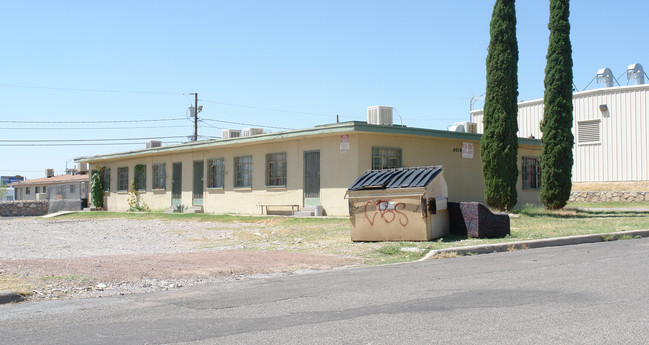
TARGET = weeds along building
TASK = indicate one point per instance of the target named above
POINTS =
(610, 126)
(255, 173)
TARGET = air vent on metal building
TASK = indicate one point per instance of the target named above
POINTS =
(588, 132)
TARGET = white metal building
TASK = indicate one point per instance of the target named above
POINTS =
(611, 129)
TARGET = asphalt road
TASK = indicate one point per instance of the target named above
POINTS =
(582, 294)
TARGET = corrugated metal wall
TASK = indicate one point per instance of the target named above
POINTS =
(530, 114)
(622, 153)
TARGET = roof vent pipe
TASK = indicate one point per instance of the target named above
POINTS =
(635, 73)
(605, 77)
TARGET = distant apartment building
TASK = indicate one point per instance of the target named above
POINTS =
(53, 187)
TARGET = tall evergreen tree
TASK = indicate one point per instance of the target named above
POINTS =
(557, 141)
(499, 144)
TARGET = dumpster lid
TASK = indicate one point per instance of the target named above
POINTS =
(396, 178)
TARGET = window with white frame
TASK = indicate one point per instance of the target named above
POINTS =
(243, 171)
(531, 171)
(159, 176)
(386, 158)
(276, 169)
(215, 172)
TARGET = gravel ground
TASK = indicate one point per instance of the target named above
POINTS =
(54, 259)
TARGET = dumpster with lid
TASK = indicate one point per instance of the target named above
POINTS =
(406, 204)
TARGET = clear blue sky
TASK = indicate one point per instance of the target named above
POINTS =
(280, 64)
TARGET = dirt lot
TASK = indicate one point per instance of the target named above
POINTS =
(52, 259)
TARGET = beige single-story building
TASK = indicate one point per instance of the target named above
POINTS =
(298, 168)
(46, 187)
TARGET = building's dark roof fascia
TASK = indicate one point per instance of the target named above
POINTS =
(343, 127)
(396, 178)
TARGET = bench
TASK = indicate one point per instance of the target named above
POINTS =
(293, 207)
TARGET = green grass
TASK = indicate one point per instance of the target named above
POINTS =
(393, 252)
(390, 249)
(332, 235)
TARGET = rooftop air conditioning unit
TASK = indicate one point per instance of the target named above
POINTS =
(251, 131)
(456, 128)
(470, 127)
(379, 115)
(49, 173)
(82, 167)
(463, 127)
(230, 133)
(153, 143)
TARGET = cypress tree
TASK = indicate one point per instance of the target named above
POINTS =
(557, 141)
(499, 144)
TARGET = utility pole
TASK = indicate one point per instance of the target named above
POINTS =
(193, 111)
(196, 116)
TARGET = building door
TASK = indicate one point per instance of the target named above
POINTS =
(197, 199)
(311, 178)
(176, 184)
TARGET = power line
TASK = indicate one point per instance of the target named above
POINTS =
(270, 109)
(245, 124)
(79, 140)
(26, 171)
(84, 144)
(86, 128)
(89, 90)
(207, 124)
(105, 121)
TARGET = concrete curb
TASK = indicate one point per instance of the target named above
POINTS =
(542, 243)
(10, 297)
(613, 209)
(60, 213)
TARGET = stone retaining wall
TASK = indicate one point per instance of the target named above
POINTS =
(22, 208)
(609, 196)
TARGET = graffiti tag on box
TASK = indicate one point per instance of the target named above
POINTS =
(387, 210)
